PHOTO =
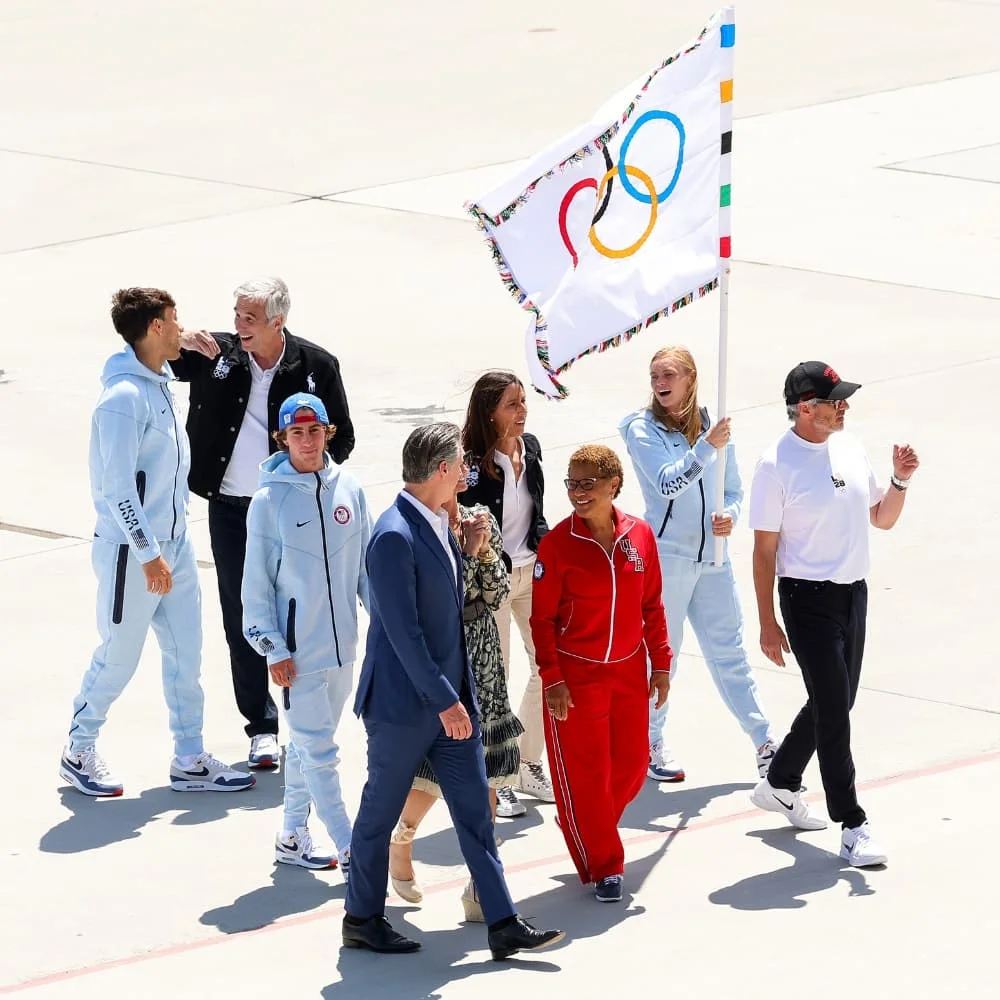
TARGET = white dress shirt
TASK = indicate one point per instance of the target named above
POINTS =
(518, 510)
(253, 443)
(438, 520)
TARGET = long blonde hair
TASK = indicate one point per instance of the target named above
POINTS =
(689, 420)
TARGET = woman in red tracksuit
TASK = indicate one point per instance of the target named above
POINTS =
(596, 615)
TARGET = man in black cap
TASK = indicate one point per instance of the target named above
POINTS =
(812, 499)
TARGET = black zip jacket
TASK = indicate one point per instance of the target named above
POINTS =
(220, 391)
(484, 489)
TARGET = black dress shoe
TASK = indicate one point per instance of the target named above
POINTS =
(376, 934)
(519, 935)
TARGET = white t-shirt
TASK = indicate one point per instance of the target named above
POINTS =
(438, 520)
(253, 444)
(518, 510)
(818, 496)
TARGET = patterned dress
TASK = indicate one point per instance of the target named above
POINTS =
(486, 587)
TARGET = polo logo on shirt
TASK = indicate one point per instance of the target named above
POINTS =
(838, 484)
(632, 554)
(222, 366)
(341, 514)
(310, 383)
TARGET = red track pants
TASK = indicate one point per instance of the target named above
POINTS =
(598, 758)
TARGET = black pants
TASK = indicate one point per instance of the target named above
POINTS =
(825, 624)
(227, 528)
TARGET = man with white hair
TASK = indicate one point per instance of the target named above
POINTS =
(238, 382)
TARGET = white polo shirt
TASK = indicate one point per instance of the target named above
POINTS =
(518, 509)
(253, 443)
(438, 520)
(818, 497)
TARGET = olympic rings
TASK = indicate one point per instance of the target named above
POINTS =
(623, 171)
(651, 201)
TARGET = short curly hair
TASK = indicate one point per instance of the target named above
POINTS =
(603, 459)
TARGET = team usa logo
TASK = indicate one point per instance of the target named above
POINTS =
(839, 485)
(472, 476)
(632, 554)
(539, 570)
(341, 514)
(222, 366)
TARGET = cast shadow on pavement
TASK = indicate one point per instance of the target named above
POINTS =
(570, 907)
(813, 869)
(292, 890)
(97, 823)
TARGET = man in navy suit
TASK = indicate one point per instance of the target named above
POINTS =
(417, 697)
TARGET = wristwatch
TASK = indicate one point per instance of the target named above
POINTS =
(900, 484)
(490, 557)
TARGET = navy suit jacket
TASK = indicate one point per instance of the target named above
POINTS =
(416, 663)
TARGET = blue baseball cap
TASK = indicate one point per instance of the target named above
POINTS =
(289, 412)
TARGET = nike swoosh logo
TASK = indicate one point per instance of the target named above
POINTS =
(163, 410)
(203, 773)
(299, 524)
(788, 805)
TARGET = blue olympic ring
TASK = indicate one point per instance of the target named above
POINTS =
(623, 153)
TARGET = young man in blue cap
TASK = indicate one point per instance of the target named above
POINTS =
(141, 553)
(307, 532)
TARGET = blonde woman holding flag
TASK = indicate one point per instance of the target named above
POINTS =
(674, 449)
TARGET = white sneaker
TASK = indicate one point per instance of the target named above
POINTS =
(264, 751)
(208, 774)
(508, 805)
(663, 767)
(858, 848)
(764, 757)
(789, 804)
(534, 781)
(88, 773)
(297, 849)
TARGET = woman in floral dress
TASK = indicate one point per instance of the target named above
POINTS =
(487, 585)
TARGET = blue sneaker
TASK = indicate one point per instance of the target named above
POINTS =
(609, 890)
(662, 767)
(297, 849)
(208, 774)
(86, 771)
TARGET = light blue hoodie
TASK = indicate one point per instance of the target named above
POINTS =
(139, 458)
(307, 533)
(678, 485)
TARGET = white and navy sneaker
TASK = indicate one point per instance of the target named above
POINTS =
(858, 847)
(297, 849)
(765, 755)
(609, 890)
(508, 805)
(208, 774)
(86, 771)
(788, 804)
(264, 752)
(534, 781)
(662, 767)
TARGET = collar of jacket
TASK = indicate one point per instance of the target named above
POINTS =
(624, 523)
(292, 357)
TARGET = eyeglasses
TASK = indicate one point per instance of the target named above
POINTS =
(837, 404)
(582, 484)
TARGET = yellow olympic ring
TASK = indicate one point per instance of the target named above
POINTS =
(645, 179)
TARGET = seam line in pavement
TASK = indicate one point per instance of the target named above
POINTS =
(338, 909)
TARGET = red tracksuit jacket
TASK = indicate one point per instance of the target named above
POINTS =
(594, 608)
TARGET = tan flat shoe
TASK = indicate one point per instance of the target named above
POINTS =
(408, 889)
(470, 904)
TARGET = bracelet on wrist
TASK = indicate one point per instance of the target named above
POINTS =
(900, 484)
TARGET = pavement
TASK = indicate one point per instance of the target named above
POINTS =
(191, 145)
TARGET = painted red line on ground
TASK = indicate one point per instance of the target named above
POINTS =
(338, 910)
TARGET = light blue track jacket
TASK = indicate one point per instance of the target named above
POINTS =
(307, 533)
(139, 458)
(678, 485)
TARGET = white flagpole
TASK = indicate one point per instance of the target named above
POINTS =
(720, 482)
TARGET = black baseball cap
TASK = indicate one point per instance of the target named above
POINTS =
(816, 380)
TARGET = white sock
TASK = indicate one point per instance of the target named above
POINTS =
(186, 760)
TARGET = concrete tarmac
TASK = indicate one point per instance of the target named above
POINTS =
(192, 145)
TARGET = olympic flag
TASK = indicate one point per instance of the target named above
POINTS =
(625, 219)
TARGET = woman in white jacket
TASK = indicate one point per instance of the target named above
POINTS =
(307, 531)
(673, 448)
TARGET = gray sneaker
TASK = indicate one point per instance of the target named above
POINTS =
(508, 805)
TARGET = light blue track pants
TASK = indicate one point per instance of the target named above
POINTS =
(313, 707)
(706, 595)
(125, 611)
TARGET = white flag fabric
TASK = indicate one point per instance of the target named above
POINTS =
(623, 220)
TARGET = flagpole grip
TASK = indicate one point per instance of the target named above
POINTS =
(720, 480)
